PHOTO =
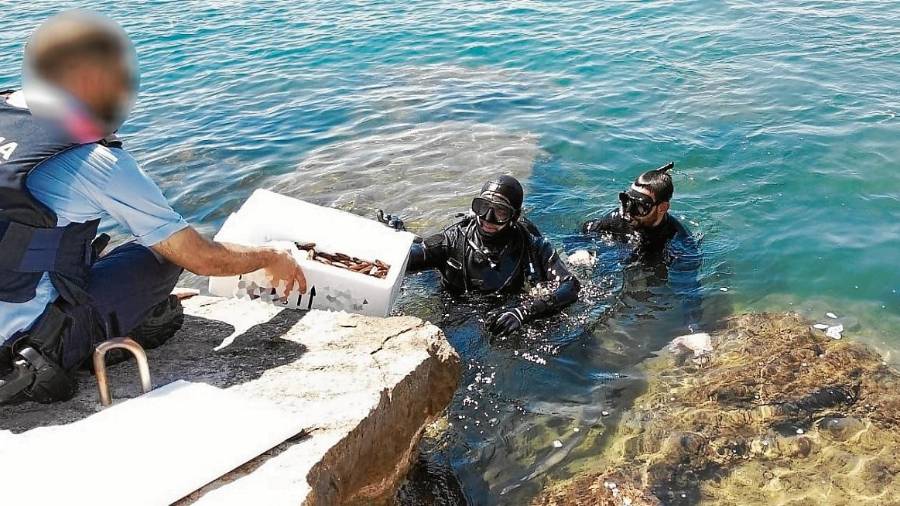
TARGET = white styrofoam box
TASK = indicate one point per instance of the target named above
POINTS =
(270, 218)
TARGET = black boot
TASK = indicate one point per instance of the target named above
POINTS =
(164, 320)
(15, 378)
(34, 377)
(161, 324)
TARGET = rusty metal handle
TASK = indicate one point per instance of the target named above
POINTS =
(125, 343)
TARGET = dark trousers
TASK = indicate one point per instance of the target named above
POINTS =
(125, 285)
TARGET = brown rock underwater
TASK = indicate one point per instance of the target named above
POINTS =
(778, 414)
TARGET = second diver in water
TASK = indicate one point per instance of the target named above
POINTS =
(658, 239)
(496, 250)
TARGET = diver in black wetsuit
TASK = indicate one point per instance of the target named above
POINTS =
(498, 251)
(659, 239)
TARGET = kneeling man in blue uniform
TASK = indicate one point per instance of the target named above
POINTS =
(61, 171)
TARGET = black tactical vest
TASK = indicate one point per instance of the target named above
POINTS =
(30, 242)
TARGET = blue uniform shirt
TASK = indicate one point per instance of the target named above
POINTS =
(86, 183)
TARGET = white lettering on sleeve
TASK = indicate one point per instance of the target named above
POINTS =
(7, 149)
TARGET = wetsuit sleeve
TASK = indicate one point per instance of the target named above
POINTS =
(428, 254)
(554, 271)
(684, 276)
(611, 222)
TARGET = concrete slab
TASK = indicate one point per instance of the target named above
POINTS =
(208, 432)
(365, 387)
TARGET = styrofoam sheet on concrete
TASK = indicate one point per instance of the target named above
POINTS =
(153, 450)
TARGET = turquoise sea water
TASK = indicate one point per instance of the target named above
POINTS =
(782, 118)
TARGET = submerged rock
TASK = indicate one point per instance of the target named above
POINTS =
(841, 428)
(700, 343)
(779, 414)
(603, 490)
(835, 331)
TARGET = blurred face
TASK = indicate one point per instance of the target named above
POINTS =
(107, 88)
(83, 56)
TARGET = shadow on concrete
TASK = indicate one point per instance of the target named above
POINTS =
(189, 356)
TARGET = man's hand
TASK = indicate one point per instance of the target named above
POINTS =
(188, 249)
(504, 323)
(284, 268)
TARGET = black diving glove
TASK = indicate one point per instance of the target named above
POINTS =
(388, 220)
(504, 323)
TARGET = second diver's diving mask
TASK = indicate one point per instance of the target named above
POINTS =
(635, 203)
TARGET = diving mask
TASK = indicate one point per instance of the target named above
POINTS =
(635, 203)
(493, 211)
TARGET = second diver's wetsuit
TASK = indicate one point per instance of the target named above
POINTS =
(669, 244)
(651, 242)
(517, 257)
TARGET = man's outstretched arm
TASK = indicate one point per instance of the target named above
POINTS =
(190, 250)
(431, 253)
